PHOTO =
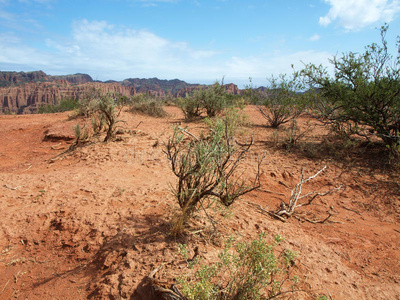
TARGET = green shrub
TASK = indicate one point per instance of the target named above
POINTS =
(244, 271)
(212, 100)
(107, 109)
(64, 105)
(362, 97)
(280, 102)
(147, 106)
(81, 136)
(191, 106)
(206, 167)
(88, 102)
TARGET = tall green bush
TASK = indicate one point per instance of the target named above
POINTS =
(363, 95)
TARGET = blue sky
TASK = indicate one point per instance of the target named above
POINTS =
(198, 41)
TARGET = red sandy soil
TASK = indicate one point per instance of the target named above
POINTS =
(95, 222)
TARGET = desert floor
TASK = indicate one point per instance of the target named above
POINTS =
(95, 222)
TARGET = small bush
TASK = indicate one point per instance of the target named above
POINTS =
(64, 105)
(108, 110)
(81, 136)
(212, 100)
(148, 106)
(191, 106)
(206, 168)
(280, 102)
(244, 271)
(88, 102)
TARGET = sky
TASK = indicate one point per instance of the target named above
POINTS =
(198, 41)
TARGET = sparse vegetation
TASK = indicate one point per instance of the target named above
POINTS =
(147, 105)
(63, 105)
(109, 110)
(191, 106)
(206, 168)
(244, 271)
(81, 136)
(280, 102)
(212, 101)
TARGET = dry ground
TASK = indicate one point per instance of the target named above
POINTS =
(95, 222)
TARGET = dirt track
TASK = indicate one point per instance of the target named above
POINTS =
(95, 222)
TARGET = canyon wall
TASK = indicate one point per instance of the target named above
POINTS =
(22, 92)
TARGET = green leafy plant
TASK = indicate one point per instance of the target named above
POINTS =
(191, 105)
(212, 100)
(88, 102)
(109, 110)
(81, 136)
(147, 105)
(63, 105)
(280, 102)
(363, 95)
(207, 168)
(255, 270)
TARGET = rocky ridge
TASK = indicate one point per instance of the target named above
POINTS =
(23, 93)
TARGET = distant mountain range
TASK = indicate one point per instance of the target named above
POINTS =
(23, 92)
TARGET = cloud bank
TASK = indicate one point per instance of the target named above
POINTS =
(108, 52)
(357, 14)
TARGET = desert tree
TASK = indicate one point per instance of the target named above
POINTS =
(363, 94)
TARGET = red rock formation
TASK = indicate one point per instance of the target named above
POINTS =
(15, 99)
(24, 92)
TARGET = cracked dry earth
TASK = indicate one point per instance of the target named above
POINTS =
(94, 223)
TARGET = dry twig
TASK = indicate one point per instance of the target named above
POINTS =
(13, 188)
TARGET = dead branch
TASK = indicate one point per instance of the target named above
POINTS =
(354, 211)
(311, 221)
(271, 192)
(264, 211)
(162, 293)
(189, 133)
(13, 188)
(287, 210)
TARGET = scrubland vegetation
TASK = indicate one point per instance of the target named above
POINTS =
(359, 102)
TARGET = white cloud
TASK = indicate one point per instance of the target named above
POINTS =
(265, 65)
(315, 37)
(108, 52)
(356, 14)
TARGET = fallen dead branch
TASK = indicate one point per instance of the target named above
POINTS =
(312, 221)
(161, 293)
(189, 133)
(354, 211)
(13, 188)
(5, 286)
(288, 210)
(271, 192)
